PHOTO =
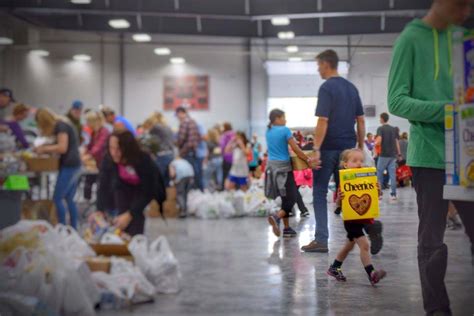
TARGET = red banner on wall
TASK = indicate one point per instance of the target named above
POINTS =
(191, 92)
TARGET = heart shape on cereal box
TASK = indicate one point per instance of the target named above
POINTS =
(360, 205)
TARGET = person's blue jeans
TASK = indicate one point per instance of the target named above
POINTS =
(321, 177)
(163, 163)
(197, 167)
(390, 164)
(65, 189)
(214, 168)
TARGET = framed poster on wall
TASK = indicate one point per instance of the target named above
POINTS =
(190, 91)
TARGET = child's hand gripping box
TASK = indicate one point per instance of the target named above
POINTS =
(466, 144)
(361, 196)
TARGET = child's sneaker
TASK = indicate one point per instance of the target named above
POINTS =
(336, 273)
(376, 276)
(289, 232)
(338, 210)
(375, 235)
(304, 213)
(274, 221)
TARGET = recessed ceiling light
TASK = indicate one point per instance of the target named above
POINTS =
(292, 49)
(141, 37)
(162, 51)
(6, 41)
(286, 35)
(81, 1)
(39, 52)
(177, 60)
(119, 24)
(82, 57)
(280, 20)
(295, 59)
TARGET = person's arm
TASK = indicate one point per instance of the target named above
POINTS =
(297, 150)
(59, 148)
(230, 146)
(181, 135)
(319, 135)
(100, 143)
(400, 101)
(172, 171)
(399, 152)
(360, 131)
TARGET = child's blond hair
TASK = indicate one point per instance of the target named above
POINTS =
(346, 154)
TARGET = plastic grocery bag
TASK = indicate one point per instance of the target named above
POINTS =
(157, 262)
(72, 243)
(307, 194)
(238, 202)
(195, 198)
(208, 208)
(111, 239)
(368, 160)
(226, 209)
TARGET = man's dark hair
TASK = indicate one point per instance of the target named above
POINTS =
(329, 56)
(181, 109)
(384, 116)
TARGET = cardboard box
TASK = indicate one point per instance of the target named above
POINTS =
(98, 264)
(466, 144)
(170, 206)
(300, 164)
(451, 144)
(361, 197)
(39, 164)
(109, 250)
(41, 209)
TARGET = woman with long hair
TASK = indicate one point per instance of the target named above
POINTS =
(67, 146)
(128, 181)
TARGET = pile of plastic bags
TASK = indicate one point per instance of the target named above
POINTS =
(43, 269)
(206, 205)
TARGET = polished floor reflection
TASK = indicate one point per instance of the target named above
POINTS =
(237, 267)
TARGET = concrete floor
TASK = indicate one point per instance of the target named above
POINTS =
(238, 267)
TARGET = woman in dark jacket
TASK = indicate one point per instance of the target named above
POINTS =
(128, 181)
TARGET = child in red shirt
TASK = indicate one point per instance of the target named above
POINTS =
(351, 159)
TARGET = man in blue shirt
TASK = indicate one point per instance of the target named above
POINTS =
(339, 108)
(117, 122)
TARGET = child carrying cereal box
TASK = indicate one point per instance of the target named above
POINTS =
(359, 195)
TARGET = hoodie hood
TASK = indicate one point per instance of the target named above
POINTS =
(419, 26)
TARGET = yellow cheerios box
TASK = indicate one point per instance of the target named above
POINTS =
(361, 197)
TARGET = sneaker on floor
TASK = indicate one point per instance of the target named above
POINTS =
(304, 213)
(376, 276)
(289, 232)
(274, 221)
(315, 246)
(375, 235)
(393, 198)
(338, 210)
(336, 273)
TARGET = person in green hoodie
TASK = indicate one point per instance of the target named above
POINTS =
(420, 84)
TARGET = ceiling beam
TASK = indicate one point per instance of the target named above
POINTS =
(310, 15)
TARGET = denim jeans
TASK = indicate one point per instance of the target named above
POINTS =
(390, 164)
(321, 177)
(65, 189)
(214, 171)
(197, 167)
(163, 163)
(182, 190)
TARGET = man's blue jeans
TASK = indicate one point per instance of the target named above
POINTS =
(197, 167)
(321, 177)
(163, 163)
(65, 189)
(390, 164)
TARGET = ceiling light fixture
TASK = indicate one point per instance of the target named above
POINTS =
(82, 57)
(177, 60)
(162, 51)
(6, 41)
(141, 38)
(39, 52)
(292, 49)
(295, 59)
(280, 20)
(119, 24)
(81, 1)
(286, 35)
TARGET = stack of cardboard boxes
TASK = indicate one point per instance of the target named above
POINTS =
(459, 117)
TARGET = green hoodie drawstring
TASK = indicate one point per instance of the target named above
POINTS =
(436, 52)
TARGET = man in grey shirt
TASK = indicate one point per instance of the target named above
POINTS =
(387, 137)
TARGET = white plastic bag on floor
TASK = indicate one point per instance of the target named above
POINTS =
(73, 245)
(238, 203)
(195, 198)
(208, 208)
(226, 209)
(157, 262)
(307, 194)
